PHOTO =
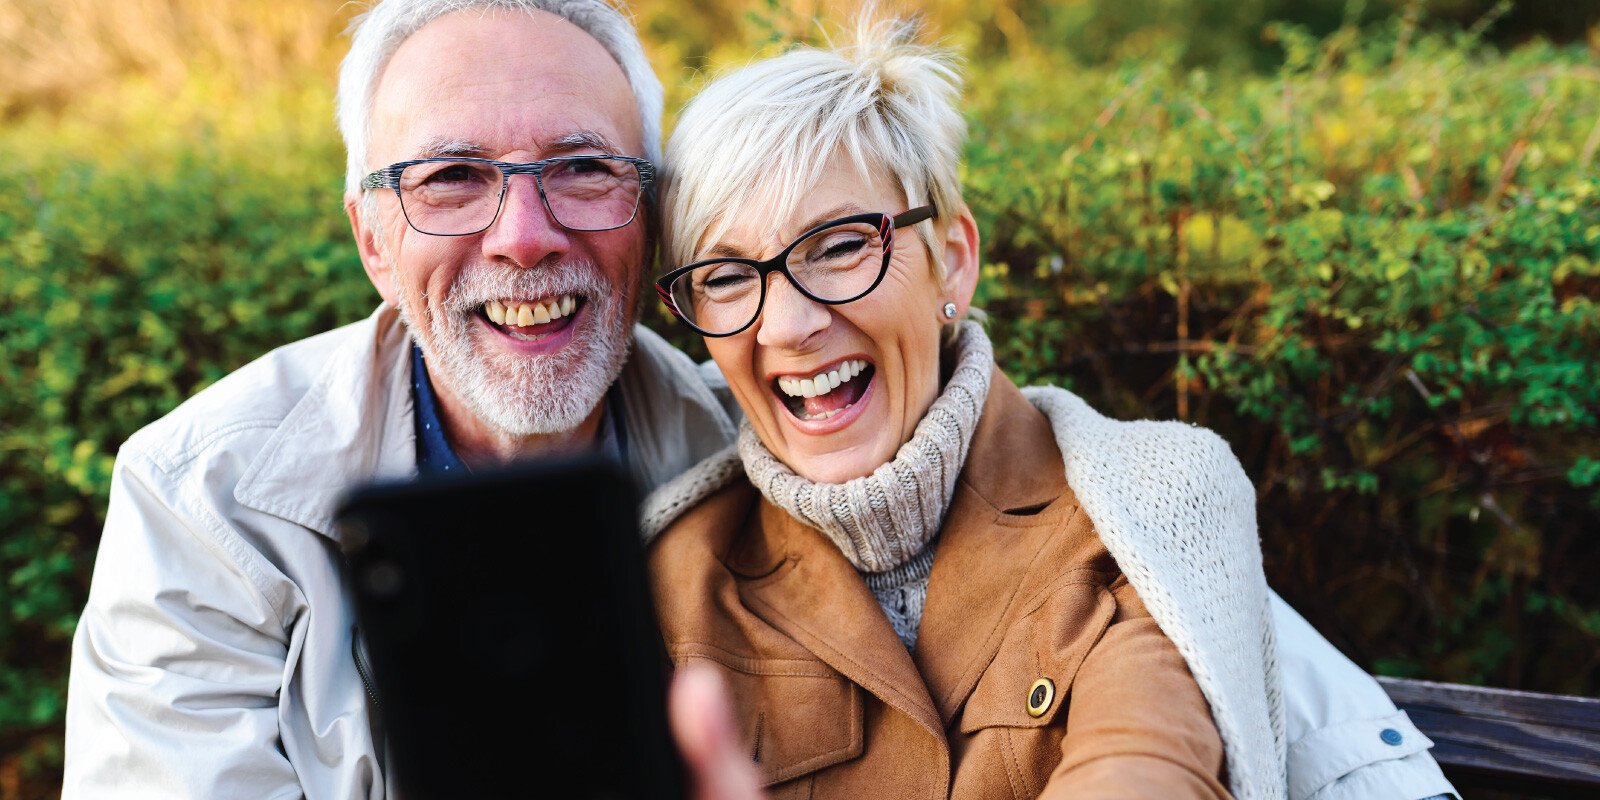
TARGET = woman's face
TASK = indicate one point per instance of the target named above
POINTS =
(886, 342)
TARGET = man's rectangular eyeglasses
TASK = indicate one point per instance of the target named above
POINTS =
(833, 263)
(450, 196)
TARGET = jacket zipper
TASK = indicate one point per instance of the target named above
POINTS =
(361, 667)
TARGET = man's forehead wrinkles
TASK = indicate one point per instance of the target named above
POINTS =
(444, 145)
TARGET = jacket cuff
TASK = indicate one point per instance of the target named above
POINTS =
(1367, 759)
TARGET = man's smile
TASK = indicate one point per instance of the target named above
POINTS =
(531, 321)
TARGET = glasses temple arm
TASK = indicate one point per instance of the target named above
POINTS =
(914, 216)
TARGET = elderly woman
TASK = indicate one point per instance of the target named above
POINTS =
(915, 578)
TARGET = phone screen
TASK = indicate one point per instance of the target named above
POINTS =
(513, 648)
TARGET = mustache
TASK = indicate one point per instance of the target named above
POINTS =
(479, 284)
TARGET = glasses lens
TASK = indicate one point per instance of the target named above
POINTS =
(450, 198)
(592, 194)
(840, 262)
(720, 297)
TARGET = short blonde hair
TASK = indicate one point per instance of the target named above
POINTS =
(759, 137)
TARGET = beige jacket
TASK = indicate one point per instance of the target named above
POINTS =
(214, 658)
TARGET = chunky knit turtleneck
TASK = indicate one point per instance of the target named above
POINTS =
(885, 522)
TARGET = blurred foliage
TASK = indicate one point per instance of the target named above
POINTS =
(1363, 245)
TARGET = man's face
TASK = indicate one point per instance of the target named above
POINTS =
(515, 87)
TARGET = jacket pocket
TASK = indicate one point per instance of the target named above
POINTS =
(795, 716)
(1030, 678)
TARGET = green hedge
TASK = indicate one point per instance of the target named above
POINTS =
(1374, 272)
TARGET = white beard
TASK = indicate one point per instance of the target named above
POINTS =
(525, 395)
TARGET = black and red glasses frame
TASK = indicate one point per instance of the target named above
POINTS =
(780, 264)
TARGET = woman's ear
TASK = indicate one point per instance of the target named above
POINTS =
(961, 266)
(366, 232)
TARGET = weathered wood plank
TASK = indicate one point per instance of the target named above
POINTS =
(1522, 736)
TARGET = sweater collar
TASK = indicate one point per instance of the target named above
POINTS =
(883, 520)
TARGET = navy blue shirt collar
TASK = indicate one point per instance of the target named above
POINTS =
(434, 454)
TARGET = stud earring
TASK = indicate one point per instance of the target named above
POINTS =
(949, 310)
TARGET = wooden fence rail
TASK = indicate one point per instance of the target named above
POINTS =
(1538, 745)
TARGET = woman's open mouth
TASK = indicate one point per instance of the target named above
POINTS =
(530, 321)
(826, 393)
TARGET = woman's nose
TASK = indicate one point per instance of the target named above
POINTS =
(789, 318)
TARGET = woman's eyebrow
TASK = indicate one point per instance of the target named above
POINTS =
(725, 250)
(844, 209)
(721, 250)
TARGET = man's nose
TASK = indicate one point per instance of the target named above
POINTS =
(788, 318)
(525, 234)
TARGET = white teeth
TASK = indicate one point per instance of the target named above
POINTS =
(496, 312)
(524, 315)
(567, 304)
(541, 315)
(825, 414)
(822, 382)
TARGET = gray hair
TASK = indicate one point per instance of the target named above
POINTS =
(377, 33)
(759, 137)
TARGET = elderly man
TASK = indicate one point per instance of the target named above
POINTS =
(500, 177)
(214, 658)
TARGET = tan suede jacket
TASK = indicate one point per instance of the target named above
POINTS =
(1037, 670)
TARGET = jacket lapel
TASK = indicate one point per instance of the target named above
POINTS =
(1010, 498)
(816, 598)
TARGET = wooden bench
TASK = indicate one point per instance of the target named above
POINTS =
(1521, 743)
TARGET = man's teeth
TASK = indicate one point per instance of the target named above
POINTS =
(823, 382)
(525, 314)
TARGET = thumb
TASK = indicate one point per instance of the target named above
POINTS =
(702, 722)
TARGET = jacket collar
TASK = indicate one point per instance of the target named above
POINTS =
(672, 417)
(1010, 497)
(353, 424)
(1014, 463)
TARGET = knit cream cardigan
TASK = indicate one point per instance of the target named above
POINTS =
(1176, 510)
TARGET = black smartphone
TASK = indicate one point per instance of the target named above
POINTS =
(511, 642)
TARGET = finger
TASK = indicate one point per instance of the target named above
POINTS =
(702, 722)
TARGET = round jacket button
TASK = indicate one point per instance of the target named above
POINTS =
(1040, 695)
(1391, 737)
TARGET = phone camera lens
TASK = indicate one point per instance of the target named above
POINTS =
(383, 579)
